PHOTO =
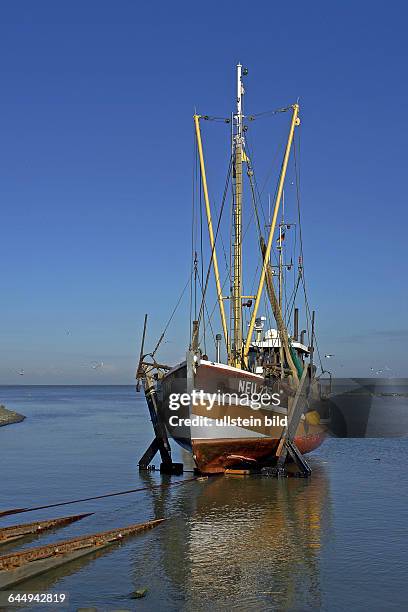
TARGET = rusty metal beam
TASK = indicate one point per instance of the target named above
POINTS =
(16, 532)
(14, 560)
(20, 566)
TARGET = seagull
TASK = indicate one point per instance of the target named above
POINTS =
(96, 364)
(329, 355)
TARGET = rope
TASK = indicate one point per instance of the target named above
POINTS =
(84, 499)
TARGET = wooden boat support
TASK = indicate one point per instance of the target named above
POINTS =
(286, 444)
(19, 566)
(17, 532)
(160, 442)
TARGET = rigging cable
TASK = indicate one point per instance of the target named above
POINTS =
(215, 242)
(210, 316)
(207, 118)
(253, 117)
(171, 316)
(255, 192)
(297, 175)
(208, 322)
(227, 267)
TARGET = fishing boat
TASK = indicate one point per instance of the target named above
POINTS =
(233, 410)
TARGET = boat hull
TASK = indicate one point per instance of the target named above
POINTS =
(222, 435)
(215, 456)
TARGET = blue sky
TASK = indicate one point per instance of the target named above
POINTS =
(96, 162)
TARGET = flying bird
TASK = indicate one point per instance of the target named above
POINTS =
(95, 365)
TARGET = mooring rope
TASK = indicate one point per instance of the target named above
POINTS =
(77, 501)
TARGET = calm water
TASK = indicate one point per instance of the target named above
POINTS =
(336, 542)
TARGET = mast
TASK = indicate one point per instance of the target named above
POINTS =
(235, 357)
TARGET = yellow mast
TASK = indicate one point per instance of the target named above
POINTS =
(210, 231)
(235, 357)
(295, 121)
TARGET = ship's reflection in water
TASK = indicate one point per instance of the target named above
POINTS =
(245, 542)
(337, 541)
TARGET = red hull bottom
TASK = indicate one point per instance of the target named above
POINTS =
(216, 456)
